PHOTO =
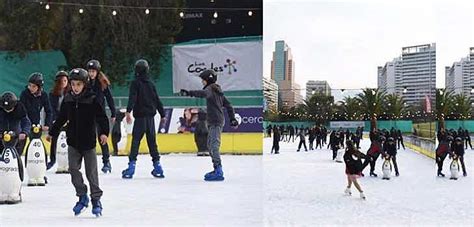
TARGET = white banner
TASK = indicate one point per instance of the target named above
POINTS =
(238, 65)
(346, 124)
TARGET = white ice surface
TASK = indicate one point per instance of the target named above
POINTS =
(306, 189)
(182, 198)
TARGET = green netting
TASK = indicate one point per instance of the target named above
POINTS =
(466, 124)
(404, 126)
(14, 74)
(14, 71)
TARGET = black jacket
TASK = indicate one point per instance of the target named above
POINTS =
(34, 104)
(16, 121)
(353, 162)
(143, 98)
(102, 95)
(457, 149)
(215, 101)
(83, 113)
(390, 149)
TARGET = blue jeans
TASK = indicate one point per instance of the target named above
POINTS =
(141, 126)
(214, 143)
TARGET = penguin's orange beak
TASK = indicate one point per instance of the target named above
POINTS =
(36, 130)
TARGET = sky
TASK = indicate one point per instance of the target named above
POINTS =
(343, 42)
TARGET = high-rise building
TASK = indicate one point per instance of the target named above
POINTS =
(413, 75)
(283, 73)
(459, 77)
(270, 93)
(317, 87)
(389, 76)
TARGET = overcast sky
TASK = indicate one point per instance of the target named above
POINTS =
(343, 42)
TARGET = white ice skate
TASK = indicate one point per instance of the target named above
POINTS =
(362, 196)
(339, 156)
(348, 192)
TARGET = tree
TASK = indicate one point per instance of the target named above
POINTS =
(320, 106)
(395, 106)
(371, 102)
(461, 107)
(443, 105)
(117, 41)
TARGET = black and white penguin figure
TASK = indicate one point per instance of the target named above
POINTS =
(11, 170)
(386, 168)
(35, 158)
(61, 153)
(454, 168)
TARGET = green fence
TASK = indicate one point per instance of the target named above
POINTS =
(455, 124)
(404, 126)
(14, 76)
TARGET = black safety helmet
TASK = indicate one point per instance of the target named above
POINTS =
(450, 138)
(93, 64)
(390, 139)
(458, 139)
(79, 74)
(8, 100)
(60, 74)
(209, 75)
(37, 79)
(141, 67)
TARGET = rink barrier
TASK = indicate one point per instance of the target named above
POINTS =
(420, 145)
(231, 143)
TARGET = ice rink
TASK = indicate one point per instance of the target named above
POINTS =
(306, 189)
(182, 198)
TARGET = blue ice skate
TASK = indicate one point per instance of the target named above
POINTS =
(157, 170)
(96, 208)
(128, 173)
(107, 167)
(216, 175)
(81, 205)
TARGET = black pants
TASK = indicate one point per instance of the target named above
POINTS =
(440, 161)
(468, 141)
(357, 142)
(292, 137)
(334, 154)
(318, 143)
(141, 126)
(52, 151)
(302, 142)
(104, 148)
(275, 147)
(201, 142)
(461, 159)
(371, 159)
(394, 160)
(311, 143)
(400, 141)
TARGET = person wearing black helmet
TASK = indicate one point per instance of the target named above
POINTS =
(82, 110)
(143, 99)
(216, 102)
(13, 117)
(442, 150)
(457, 148)
(390, 149)
(34, 98)
(56, 96)
(99, 83)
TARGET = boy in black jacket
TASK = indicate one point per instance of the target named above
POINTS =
(34, 99)
(390, 148)
(13, 117)
(82, 110)
(215, 101)
(144, 101)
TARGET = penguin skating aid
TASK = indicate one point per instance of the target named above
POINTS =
(11, 171)
(454, 168)
(35, 158)
(387, 168)
(61, 153)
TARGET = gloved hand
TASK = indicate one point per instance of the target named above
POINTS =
(234, 123)
(183, 92)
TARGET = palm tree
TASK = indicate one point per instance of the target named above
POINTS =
(443, 105)
(395, 106)
(371, 102)
(462, 106)
(351, 108)
(319, 106)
